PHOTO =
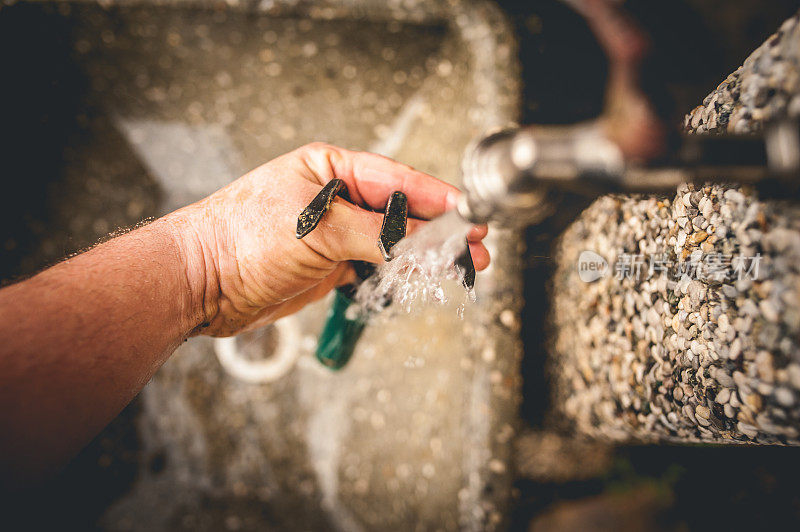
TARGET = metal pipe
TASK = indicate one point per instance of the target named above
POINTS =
(509, 174)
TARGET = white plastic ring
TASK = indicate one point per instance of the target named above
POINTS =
(267, 370)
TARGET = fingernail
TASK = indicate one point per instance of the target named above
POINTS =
(452, 199)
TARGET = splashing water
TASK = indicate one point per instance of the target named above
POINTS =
(421, 265)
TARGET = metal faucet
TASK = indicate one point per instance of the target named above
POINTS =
(509, 176)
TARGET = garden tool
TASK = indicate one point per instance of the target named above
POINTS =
(345, 321)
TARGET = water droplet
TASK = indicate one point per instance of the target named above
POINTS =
(421, 264)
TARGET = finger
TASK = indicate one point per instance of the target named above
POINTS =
(343, 274)
(371, 179)
(351, 233)
(347, 232)
(480, 256)
(477, 233)
(479, 252)
(346, 276)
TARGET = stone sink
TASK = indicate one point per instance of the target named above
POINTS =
(164, 102)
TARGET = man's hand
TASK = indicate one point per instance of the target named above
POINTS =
(245, 266)
(82, 338)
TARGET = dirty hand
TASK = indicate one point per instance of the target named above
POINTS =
(244, 264)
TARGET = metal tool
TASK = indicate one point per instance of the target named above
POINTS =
(394, 229)
(342, 328)
(395, 220)
(345, 323)
(312, 214)
(466, 269)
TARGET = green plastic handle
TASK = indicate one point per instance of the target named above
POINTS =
(340, 334)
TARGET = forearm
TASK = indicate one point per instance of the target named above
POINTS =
(83, 337)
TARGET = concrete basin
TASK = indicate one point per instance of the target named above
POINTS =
(168, 101)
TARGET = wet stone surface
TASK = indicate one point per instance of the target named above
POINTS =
(175, 103)
(670, 356)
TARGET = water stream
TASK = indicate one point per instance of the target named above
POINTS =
(422, 267)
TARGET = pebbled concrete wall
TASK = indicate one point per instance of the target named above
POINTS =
(673, 356)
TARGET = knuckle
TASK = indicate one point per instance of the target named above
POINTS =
(324, 158)
(319, 146)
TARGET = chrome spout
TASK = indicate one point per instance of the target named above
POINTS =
(508, 176)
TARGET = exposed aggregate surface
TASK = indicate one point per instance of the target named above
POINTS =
(687, 352)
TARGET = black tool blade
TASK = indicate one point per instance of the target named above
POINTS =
(466, 269)
(394, 225)
(312, 214)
